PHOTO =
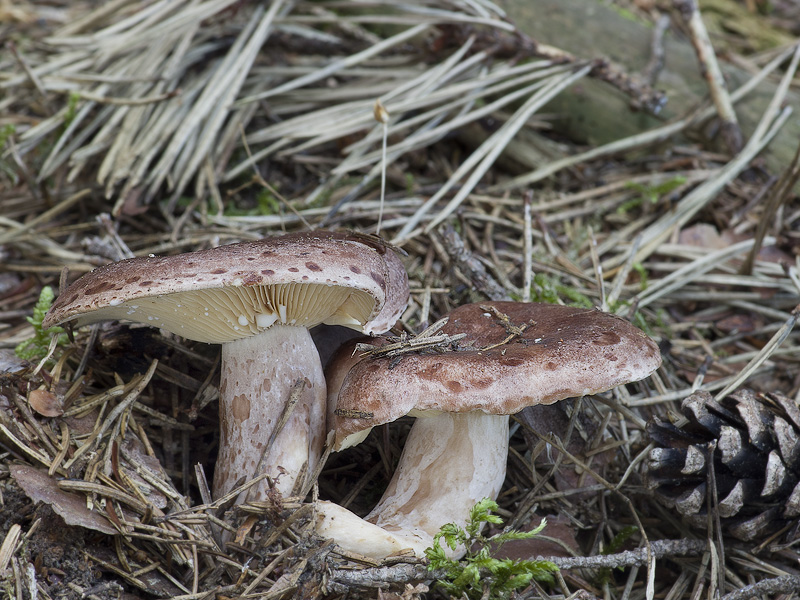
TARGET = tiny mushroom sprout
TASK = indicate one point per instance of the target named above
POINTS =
(512, 356)
(258, 299)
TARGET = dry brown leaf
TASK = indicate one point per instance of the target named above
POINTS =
(40, 487)
(46, 403)
(702, 235)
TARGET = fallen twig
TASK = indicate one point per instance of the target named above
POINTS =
(777, 585)
(472, 267)
(709, 67)
(410, 573)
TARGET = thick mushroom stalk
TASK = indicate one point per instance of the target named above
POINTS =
(513, 355)
(258, 299)
(449, 463)
(253, 399)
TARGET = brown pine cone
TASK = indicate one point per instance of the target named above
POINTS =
(747, 446)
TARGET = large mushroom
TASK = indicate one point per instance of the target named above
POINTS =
(514, 355)
(258, 299)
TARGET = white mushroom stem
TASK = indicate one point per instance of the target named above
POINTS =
(449, 463)
(257, 379)
(354, 534)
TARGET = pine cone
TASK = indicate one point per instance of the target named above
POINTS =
(747, 446)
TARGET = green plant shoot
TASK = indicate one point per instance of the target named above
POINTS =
(478, 573)
(6, 131)
(546, 288)
(649, 193)
(72, 109)
(36, 347)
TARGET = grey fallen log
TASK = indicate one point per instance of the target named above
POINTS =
(594, 113)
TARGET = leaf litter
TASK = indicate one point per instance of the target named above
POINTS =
(154, 127)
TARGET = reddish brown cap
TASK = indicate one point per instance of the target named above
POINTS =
(561, 352)
(234, 291)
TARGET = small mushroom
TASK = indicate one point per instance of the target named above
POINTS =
(514, 355)
(258, 299)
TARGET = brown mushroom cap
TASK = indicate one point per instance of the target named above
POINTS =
(563, 352)
(230, 292)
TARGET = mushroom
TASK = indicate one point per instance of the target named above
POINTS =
(514, 355)
(258, 299)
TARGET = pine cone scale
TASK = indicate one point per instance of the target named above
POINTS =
(746, 446)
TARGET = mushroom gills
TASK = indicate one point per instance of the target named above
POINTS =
(245, 310)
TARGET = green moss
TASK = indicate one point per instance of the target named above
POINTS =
(478, 574)
(643, 275)
(36, 348)
(546, 288)
(323, 199)
(410, 184)
(649, 193)
(628, 15)
(5, 133)
(72, 109)
(266, 203)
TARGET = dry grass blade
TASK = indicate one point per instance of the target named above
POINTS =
(439, 343)
(105, 491)
(690, 272)
(17, 229)
(770, 124)
(767, 351)
(31, 452)
(340, 65)
(642, 139)
(777, 196)
(483, 158)
(427, 127)
(209, 113)
(9, 546)
(442, 90)
(147, 60)
(690, 12)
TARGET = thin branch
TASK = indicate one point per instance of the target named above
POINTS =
(410, 573)
(787, 584)
(709, 67)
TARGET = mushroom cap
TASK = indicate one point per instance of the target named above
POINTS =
(563, 352)
(231, 292)
(344, 358)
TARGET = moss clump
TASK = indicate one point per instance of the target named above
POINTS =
(479, 574)
(36, 348)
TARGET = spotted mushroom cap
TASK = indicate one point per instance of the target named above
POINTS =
(230, 292)
(562, 352)
(343, 359)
